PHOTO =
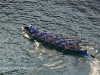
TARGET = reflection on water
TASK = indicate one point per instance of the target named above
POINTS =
(95, 70)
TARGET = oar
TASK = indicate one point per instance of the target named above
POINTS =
(44, 42)
(56, 47)
(41, 43)
(64, 50)
(50, 44)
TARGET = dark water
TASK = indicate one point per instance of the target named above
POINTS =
(66, 18)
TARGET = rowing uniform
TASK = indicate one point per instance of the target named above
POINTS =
(64, 44)
(45, 37)
(70, 43)
(50, 35)
(36, 31)
(40, 34)
(44, 32)
(56, 37)
(51, 39)
(32, 31)
(62, 40)
(58, 42)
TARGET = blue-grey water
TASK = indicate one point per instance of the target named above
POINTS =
(66, 18)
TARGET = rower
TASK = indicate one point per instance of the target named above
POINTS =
(58, 42)
(56, 37)
(70, 43)
(62, 40)
(49, 34)
(64, 44)
(44, 32)
(51, 39)
(40, 34)
(36, 31)
(33, 31)
(43, 35)
(46, 37)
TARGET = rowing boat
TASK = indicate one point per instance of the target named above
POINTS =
(52, 45)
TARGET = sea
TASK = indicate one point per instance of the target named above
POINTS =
(69, 19)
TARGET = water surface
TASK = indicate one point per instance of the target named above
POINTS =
(66, 18)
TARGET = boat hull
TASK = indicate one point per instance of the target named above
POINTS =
(54, 46)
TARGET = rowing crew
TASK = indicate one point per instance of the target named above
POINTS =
(53, 39)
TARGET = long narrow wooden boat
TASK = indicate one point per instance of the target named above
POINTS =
(80, 52)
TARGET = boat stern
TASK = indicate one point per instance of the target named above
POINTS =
(25, 33)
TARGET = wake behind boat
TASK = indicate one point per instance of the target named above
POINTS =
(44, 38)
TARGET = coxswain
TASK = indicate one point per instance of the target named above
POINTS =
(30, 27)
(77, 45)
